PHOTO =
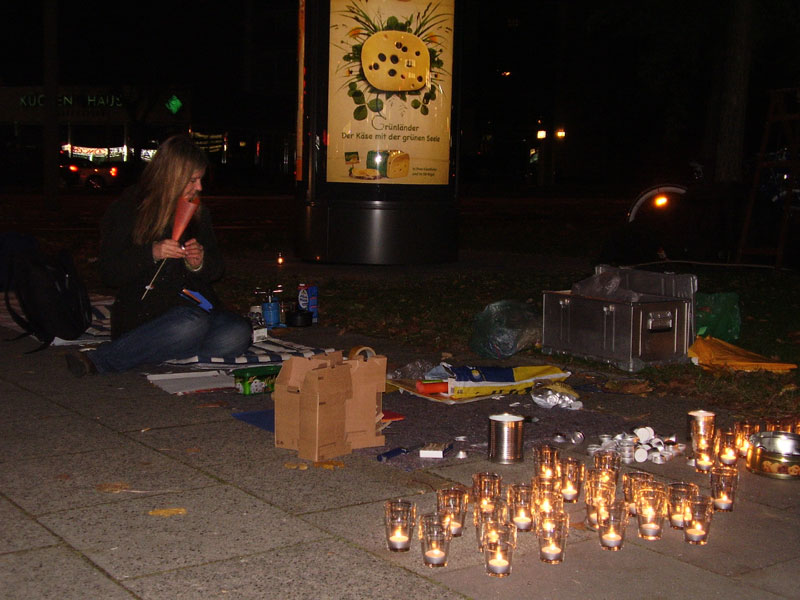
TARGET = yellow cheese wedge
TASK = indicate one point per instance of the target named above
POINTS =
(395, 61)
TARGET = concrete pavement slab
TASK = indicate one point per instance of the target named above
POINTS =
(322, 569)
(71, 481)
(53, 436)
(589, 572)
(19, 531)
(20, 405)
(361, 479)
(731, 549)
(58, 573)
(780, 578)
(219, 522)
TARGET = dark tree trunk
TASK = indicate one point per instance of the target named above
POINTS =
(733, 105)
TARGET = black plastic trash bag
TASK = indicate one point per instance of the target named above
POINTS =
(504, 328)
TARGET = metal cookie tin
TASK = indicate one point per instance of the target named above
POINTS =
(774, 454)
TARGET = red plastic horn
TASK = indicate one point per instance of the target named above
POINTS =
(184, 210)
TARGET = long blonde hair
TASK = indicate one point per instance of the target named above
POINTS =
(162, 182)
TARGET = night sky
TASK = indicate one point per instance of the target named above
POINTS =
(633, 82)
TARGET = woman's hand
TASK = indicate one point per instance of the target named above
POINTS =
(194, 255)
(168, 248)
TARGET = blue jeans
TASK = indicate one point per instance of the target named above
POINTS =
(181, 332)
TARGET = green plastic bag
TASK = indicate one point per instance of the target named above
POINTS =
(717, 315)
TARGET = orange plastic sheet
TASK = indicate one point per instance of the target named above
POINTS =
(712, 353)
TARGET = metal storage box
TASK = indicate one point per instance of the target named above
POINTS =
(655, 328)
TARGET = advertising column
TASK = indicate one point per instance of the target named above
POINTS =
(376, 171)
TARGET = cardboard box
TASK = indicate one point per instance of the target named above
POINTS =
(325, 405)
(287, 395)
(365, 410)
(323, 400)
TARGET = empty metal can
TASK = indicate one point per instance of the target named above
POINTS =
(505, 438)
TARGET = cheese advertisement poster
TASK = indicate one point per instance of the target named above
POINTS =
(390, 91)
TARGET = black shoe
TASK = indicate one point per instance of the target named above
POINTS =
(79, 364)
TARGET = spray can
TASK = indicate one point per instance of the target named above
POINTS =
(308, 299)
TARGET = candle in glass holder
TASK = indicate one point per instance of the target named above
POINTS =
(434, 556)
(728, 456)
(703, 463)
(611, 540)
(523, 522)
(569, 492)
(676, 520)
(551, 552)
(398, 541)
(723, 502)
(695, 534)
(499, 566)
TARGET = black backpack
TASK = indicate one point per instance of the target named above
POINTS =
(52, 297)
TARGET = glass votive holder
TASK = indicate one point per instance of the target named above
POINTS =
(723, 487)
(601, 474)
(772, 424)
(703, 461)
(697, 520)
(552, 530)
(612, 521)
(498, 556)
(597, 492)
(435, 540)
(606, 459)
(650, 508)
(521, 505)
(725, 447)
(485, 485)
(743, 430)
(701, 423)
(493, 530)
(572, 474)
(451, 503)
(630, 481)
(678, 495)
(400, 517)
(546, 462)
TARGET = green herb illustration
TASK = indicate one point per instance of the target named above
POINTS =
(396, 58)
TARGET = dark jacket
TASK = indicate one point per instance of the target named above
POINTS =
(130, 267)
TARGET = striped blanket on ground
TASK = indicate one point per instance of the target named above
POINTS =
(270, 351)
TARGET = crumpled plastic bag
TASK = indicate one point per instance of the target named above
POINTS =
(504, 328)
(549, 398)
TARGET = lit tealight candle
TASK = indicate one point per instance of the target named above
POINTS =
(435, 556)
(728, 456)
(398, 541)
(723, 503)
(499, 565)
(523, 522)
(456, 528)
(569, 493)
(695, 534)
(650, 530)
(551, 552)
(676, 520)
(703, 463)
(611, 540)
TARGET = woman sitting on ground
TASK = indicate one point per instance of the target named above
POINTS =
(152, 322)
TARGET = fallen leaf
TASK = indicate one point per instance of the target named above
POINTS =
(192, 450)
(63, 476)
(446, 355)
(290, 465)
(329, 464)
(166, 512)
(113, 488)
(220, 404)
(628, 386)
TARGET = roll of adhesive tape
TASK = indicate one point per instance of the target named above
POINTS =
(364, 351)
